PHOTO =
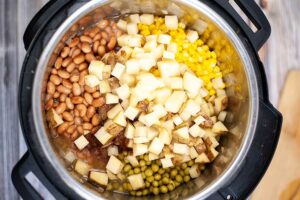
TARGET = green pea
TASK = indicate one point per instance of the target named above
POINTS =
(115, 185)
(164, 189)
(147, 184)
(143, 175)
(186, 178)
(133, 193)
(150, 178)
(109, 187)
(187, 171)
(126, 161)
(173, 172)
(148, 172)
(157, 177)
(155, 167)
(181, 173)
(160, 182)
(121, 157)
(178, 178)
(125, 153)
(165, 180)
(146, 158)
(143, 168)
(148, 163)
(145, 192)
(158, 162)
(142, 163)
(127, 168)
(129, 188)
(155, 183)
(151, 188)
(139, 193)
(166, 175)
(184, 165)
(161, 171)
(137, 170)
(130, 172)
(140, 157)
(121, 189)
(177, 168)
(190, 163)
(171, 187)
(155, 191)
(124, 185)
(176, 184)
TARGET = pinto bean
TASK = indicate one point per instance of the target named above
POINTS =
(66, 61)
(58, 63)
(67, 116)
(86, 48)
(79, 59)
(55, 79)
(63, 89)
(112, 43)
(76, 89)
(63, 74)
(74, 42)
(69, 103)
(65, 52)
(90, 112)
(63, 127)
(61, 108)
(98, 102)
(50, 88)
(88, 98)
(67, 84)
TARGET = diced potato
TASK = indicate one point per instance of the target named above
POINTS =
(131, 113)
(194, 171)
(166, 162)
(199, 120)
(181, 149)
(122, 25)
(129, 131)
(130, 143)
(219, 128)
(137, 51)
(193, 153)
(164, 39)
(211, 141)
(112, 150)
(218, 83)
(192, 84)
(212, 154)
(156, 146)
(168, 68)
(203, 92)
(165, 136)
(192, 107)
(153, 156)
(169, 55)
(134, 41)
(192, 36)
(120, 119)
(151, 133)
(140, 149)
(54, 119)
(172, 47)
(132, 29)
(222, 116)
(128, 79)
(150, 45)
(103, 136)
(111, 98)
(200, 26)
(202, 158)
(132, 66)
(161, 95)
(136, 181)
(99, 177)
(147, 19)
(177, 120)
(118, 70)
(96, 68)
(70, 157)
(121, 176)
(159, 110)
(104, 87)
(158, 52)
(146, 63)
(132, 160)
(82, 168)
(114, 165)
(141, 131)
(91, 80)
(183, 134)
(123, 92)
(112, 113)
(185, 116)
(151, 37)
(125, 52)
(111, 176)
(195, 131)
(176, 83)
(140, 140)
(171, 22)
(81, 142)
(150, 119)
(175, 101)
(135, 18)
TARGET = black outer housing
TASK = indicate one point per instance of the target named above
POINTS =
(266, 134)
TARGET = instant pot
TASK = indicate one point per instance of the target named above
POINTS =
(254, 124)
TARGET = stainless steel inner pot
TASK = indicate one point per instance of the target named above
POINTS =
(242, 89)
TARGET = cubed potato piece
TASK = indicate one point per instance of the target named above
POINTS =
(218, 83)
(166, 162)
(112, 150)
(122, 25)
(140, 140)
(111, 98)
(182, 149)
(132, 29)
(158, 52)
(111, 176)
(168, 68)
(177, 120)
(135, 18)
(147, 19)
(141, 131)
(82, 168)
(185, 116)
(128, 79)
(103, 136)
(146, 63)
(172, 47)
(150, 45)
(96, 68)
(140, 149)
(153, 156)
(192, 84)
(200, 26)
(135, 41)
(193, 153)
(194, 171)
(129, 131)
(199, 120)
(165, 136)
(171, 22)
(114, 165)
(219, 128)
(175, 101)
(81, 142)
(54, 119)
(183, 134)
(137, 51)
(164, 39)
(156, 146)
(132, 66)
(104, 87)
(112, 113)
(125, 52)
(118, 70)
(222, 116)
(131, 113)
(121, 176)
(91, 80)
(212, 154)
(151, 133)
(136, 181)
(150, 119)
(120, 119)
(211, 141)
(192, 107)
(169, 55)
(70, 157)
(192, 36)
(159, 110)
(130, 143)
(176, 83)
(161, 95)
(151, 37)
(132, 160)
(169, 125)
(196, 131)
(202, 158)
(203, 92)
(123, 92)
(99, 177)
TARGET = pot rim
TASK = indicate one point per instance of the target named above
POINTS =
(49, 153)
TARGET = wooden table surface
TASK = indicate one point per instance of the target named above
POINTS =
(281, 53)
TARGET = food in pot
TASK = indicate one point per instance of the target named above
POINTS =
(137, 105)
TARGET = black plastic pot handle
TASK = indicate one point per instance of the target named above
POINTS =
(259, 156)
(41, 19)
(26, 165)
(255, 14)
